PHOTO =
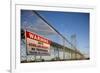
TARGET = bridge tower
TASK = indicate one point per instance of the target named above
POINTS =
(74, 46)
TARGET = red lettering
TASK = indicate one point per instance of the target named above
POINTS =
(37, 37)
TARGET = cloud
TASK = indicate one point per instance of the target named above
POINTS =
(40, 27)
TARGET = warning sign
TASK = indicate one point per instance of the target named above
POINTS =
(36, 44)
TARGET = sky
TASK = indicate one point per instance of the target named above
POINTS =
(67, 23)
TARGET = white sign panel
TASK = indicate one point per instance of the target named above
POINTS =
(36, 44)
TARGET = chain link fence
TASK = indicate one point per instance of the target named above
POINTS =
(60, 49)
